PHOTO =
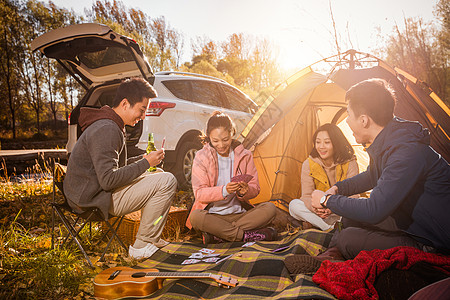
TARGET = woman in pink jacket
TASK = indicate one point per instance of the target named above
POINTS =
(221, 210)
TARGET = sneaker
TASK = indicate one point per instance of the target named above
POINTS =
(263, 234)
(208, 238)
(140, 253)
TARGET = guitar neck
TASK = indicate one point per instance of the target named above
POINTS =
(178, 275)
(120, 282)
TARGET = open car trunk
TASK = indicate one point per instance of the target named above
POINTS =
(95, 56)
(94, 53)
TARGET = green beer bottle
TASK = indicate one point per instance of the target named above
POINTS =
(151, 147)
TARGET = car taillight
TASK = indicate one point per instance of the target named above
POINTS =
(68, 119)
(155, 109)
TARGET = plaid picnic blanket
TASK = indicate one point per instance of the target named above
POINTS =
(261, 273)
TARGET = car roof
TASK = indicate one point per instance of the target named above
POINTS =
(184, 75)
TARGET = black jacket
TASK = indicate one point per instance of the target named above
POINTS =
(410, 182)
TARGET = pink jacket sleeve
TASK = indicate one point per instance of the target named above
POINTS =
(203, 184)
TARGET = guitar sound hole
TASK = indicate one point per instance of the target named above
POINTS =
(138, 274)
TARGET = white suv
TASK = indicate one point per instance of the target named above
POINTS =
(99, 59)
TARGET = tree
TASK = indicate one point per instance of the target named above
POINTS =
(443, 16)
(169, 41)
(264, 67)
(236, 46)
(243, 61)
(176, 39)
(234, 61)
(36, 69)
(417, 50)
(129, 22)
(114, 11)
(10, 47)
(205, 49)
(158, 41)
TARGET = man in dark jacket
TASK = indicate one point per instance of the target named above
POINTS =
(98, 174)
(409, 203)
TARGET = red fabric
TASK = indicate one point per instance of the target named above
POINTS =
(354, 279)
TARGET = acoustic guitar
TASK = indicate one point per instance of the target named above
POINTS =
(122, 282)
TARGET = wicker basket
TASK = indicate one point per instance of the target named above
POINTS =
(130, 224)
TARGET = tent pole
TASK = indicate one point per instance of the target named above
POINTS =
(351, 63)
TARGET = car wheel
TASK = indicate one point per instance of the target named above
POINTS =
(183, 166)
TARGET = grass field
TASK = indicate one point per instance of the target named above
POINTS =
(29, 268)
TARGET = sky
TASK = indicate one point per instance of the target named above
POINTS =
(300, 31)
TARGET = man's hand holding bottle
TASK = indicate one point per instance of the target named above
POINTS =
(154, 158)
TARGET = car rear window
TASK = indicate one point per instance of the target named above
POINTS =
(179, 88)
(105, 57)
(200, 91)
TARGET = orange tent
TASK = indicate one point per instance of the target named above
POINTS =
(280, 133)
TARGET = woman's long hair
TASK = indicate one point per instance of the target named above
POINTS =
(218, 119)
(343, 151)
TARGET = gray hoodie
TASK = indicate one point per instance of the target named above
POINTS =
(97, 164)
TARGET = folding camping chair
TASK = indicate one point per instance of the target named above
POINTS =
(77, 221)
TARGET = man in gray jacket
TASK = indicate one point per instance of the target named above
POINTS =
(98, 174)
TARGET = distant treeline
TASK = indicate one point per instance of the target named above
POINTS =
(36, 91)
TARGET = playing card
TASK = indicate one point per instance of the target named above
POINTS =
(211, 255)
(197, 255)
(211, 259)
(281, 249)
(190, 261)
(242, 177)
(222, 259)
(206, 250)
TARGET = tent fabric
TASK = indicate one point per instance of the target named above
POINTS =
(272, 111)
(280, 133)
(280, 172)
